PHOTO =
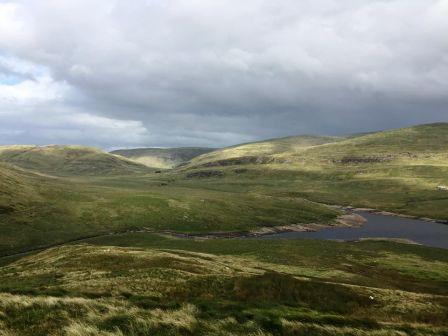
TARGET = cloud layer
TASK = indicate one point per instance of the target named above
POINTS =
(198, 72)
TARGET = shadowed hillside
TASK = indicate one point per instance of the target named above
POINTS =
(163, 158)
(69, 160)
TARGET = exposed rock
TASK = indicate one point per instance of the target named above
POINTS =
(363, 159)
(205, 174)
(238, 161)
(352, 220)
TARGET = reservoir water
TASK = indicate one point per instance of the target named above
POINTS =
(381, 226)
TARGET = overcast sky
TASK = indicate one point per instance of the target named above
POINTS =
(217, 72)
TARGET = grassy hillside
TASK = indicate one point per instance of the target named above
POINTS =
(163, 158)
(396, 170)
(240, 196)
(261, 151)
(17, 189)
(160, 286)
(125, 280)
(69, 160)
(39, 210)
(419, 144)
(424, 143)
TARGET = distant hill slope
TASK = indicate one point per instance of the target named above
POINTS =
(164, 158)
(17, 188)
(251, 152)
(418, 142)
(403, 170)
(69, 160)
(413, 143)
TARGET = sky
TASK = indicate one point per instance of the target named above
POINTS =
(167, 73)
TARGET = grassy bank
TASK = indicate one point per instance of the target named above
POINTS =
(141, 284)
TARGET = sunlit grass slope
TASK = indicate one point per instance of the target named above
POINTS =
(69, 160)
(398, 170)
(163, 158)
(226, 287)
(418, 143)
(17, 188)
(262, 150)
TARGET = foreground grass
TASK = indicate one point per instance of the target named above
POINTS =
(162, 286)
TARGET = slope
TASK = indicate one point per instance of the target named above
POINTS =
(163, 158)
(398, 170)
(69, 160)
(262, 150)
(226, 287)
(419, 142)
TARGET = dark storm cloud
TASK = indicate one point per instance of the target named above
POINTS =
(196, 72)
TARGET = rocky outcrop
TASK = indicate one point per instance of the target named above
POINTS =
(205, 174)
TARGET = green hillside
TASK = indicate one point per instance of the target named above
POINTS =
(419, 144)
(38, 210)
(424, 143)
(153, 285)
(129, 276)
(259, 152)
(163, 158)
(223, 195)
(398, 170)
(17, 188)
(68, 160)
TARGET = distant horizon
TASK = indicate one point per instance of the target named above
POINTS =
(111, 149)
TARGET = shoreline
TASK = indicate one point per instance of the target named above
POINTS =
(345, 220)
(390, 213)
(349, 219)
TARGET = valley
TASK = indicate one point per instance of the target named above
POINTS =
(94, 243)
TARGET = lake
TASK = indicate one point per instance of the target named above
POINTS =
(381, 226)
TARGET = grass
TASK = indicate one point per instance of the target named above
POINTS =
(165, 286)
(396, 170)
(47, 210)
(162, 158)
(140, 283)
(245, 196)
(69, 160)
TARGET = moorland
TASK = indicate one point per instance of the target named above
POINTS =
(90, 241)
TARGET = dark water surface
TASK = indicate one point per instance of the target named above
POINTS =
(381, 226)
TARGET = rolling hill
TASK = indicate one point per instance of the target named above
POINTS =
(38, 210)
(424, 142)
(261, 151)
(69, 160)
(146, 284)
(17, 188)
(132, 274)
(397, 170)
(162, 158)
(284, 182)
